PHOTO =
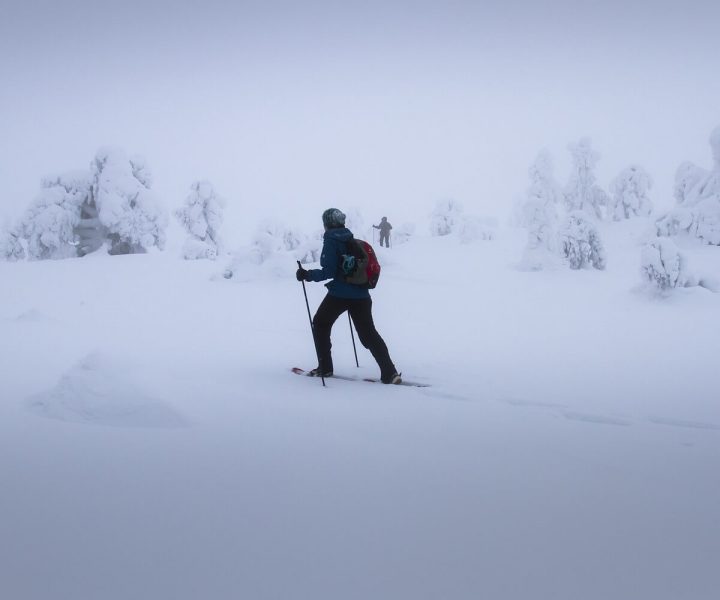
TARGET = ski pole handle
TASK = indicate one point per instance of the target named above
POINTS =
(307, 304)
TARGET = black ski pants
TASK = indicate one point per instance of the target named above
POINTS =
(361, 314)
(385, 237)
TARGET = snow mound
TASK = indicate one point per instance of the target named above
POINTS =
(97, 392)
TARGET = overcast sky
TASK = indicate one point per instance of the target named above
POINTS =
(290, 107)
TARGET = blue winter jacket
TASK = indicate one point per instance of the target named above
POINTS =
(334, 245)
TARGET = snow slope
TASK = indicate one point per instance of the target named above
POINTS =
(154, 445)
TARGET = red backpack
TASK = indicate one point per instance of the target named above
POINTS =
(360, 265)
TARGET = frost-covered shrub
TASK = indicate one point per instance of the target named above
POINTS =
(677, 220)
(11, 247)
(50, 223)
(664, 266)
(201, 216)
(582, 192)
(630, 194)
(403, 233)
(697, 193)
(687, 176)
(273, 237)
(707, 222)
(309, 251)
(446, 217)
(580, 242)
(273, 251)
(126, 206)
(472, 227)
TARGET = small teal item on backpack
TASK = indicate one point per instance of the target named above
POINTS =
(349, 264)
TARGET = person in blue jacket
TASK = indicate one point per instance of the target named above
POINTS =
(341, 297)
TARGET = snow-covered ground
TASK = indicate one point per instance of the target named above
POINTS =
(155, 445)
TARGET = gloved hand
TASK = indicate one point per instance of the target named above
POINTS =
(301, 274)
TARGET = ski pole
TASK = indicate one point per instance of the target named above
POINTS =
(312, 328)
(352, 335)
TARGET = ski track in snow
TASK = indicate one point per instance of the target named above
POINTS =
(562, 410)
(684, 424)
(594, 419)
(532, 404)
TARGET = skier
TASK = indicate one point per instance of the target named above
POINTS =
(384, 228)
(341, 297)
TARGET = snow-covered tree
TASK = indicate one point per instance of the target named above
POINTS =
(544, 190)
(687, 176)
(126, 206)
(50, 223)
(201, 215)
(697, 193)
(582, 192)
(664, 266)
(541, 247)
(630, 194)
(580, 242)
(11, 247)
(539, 214)
(446, 217)
(355, 221)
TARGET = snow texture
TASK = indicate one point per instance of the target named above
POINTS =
(127, 207)
(582, 192)
(664, 266)
(201, 216)
(630, 194)
(580, 242)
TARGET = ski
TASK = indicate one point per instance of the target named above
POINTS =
(299, 371)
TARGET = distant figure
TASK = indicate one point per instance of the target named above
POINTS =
(384, 228)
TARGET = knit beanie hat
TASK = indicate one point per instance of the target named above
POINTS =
(333, 218)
